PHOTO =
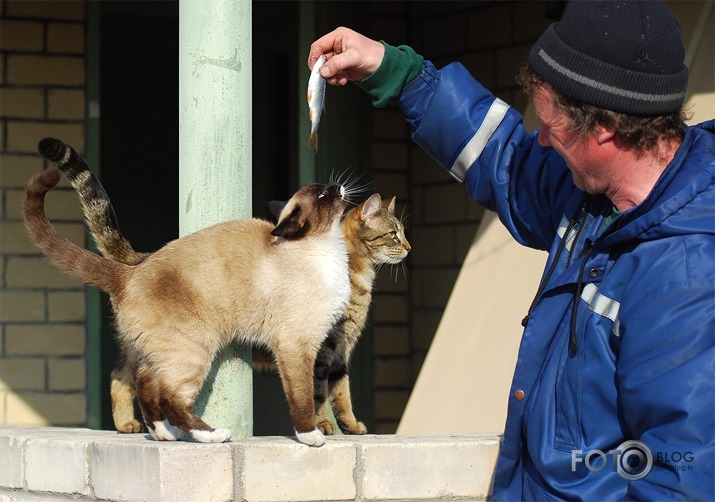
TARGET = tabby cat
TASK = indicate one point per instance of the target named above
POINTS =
(177, 307)
(374, 236)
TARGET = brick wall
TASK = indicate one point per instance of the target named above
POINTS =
(43, 93)
(42, 312)
(491, 39)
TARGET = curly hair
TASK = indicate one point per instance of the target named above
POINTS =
(641, 133)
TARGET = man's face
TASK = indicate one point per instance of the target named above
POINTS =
(576, 149)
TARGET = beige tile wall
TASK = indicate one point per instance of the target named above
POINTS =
(42, 312)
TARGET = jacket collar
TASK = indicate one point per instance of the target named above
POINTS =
(675, 205)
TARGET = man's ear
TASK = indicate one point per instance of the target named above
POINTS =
(604, 135)
(275, 207)
(292, 226)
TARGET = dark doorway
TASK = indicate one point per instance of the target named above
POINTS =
(139, 141)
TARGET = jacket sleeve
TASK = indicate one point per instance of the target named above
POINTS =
(666, 378)
(481, 142)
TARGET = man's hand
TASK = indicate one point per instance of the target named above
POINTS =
(351, 56)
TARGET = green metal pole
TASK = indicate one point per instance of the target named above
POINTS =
(215, 166)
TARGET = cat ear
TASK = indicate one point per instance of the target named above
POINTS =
(275, 207)
(292, 226)
(371, 206)
(391, 207)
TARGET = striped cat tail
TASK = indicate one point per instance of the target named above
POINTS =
(96, 206)
(63, 253)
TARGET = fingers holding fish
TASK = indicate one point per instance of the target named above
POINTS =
(350, 56)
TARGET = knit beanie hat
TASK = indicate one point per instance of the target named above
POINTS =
(625, 56)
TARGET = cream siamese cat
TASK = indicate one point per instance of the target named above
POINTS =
(282, 287)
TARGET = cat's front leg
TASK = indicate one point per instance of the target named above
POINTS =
(342, 405)
(295, 366)
(322, 419)
(322, 368)
(339, 389)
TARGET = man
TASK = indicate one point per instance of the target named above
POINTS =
(613, 395)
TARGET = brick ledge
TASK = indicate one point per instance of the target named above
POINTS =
(56, 464)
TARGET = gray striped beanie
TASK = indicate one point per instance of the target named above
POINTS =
(625, 56)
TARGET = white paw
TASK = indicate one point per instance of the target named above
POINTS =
(164, 431)
(312, 438)
(214, 436)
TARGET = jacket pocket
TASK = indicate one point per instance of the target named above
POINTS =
(567, 396)
(585, 393)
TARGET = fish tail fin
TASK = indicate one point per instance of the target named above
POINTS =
(313, 140)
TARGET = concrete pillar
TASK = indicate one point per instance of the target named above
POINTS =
(215, 165)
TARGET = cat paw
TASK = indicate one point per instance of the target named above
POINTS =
(355, 428)
(326, 427)
(164, 431)
(312, 438)
(214, 436)
(358, 429)
(130, 426)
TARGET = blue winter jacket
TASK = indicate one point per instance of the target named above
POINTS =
(620, 343)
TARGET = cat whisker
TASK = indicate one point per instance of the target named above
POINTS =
(336, 179)
(403, 216)
(350, 185)
(339, 179)
(361, 189)
(355, 189)
(351, 182)
(403, 266)
(397, 268)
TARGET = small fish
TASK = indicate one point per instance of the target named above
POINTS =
(316, 100)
